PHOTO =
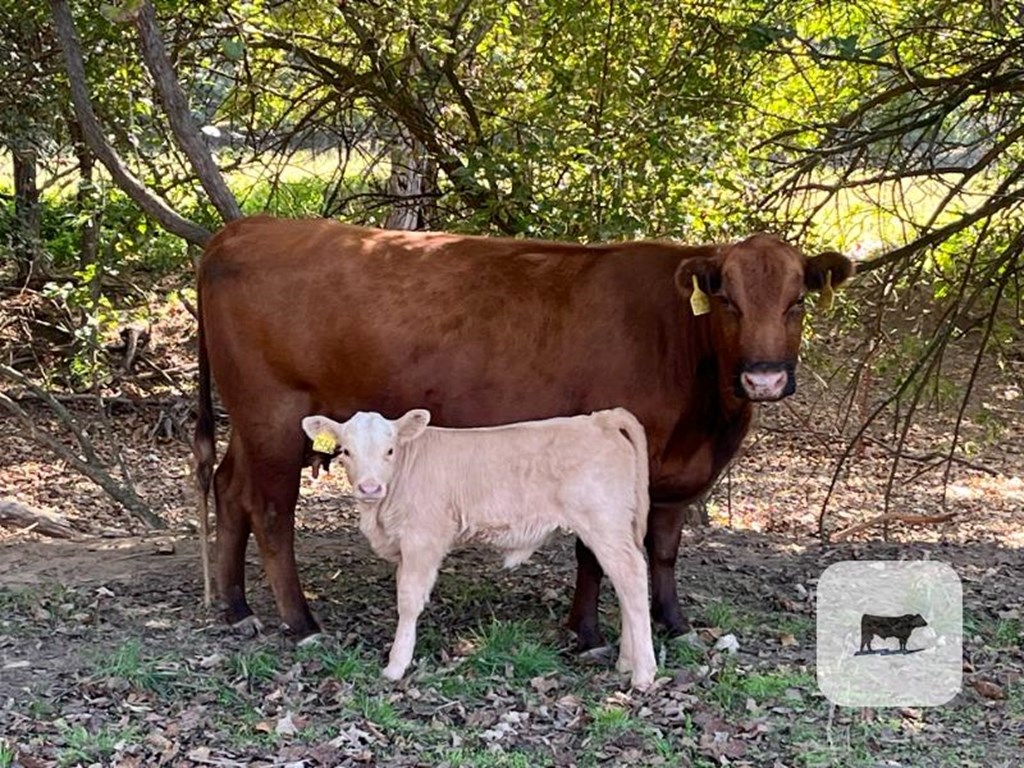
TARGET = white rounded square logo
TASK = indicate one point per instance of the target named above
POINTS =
(890, 633)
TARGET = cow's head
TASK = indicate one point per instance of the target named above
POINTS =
(369, 446)
(756, 289)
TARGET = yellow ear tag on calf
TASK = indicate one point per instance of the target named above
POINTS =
(324, 443)
(699, 302)
(827, 294)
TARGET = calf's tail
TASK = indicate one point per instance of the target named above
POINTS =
(627, 423)
(204, 452)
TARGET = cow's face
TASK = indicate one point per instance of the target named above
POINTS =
(369, 446)
(757, 289)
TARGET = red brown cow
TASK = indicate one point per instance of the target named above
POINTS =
(313, 316)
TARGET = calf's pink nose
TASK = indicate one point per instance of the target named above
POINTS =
(369, 488)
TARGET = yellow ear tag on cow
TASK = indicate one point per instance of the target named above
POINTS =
(827, 294)
(324, 443)
(699, 302)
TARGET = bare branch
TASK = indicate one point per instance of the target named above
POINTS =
(167, 217)
(178, 114)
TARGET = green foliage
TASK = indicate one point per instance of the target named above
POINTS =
(84, 747)
(512, 649)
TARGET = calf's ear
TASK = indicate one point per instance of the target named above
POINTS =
(828, 263)
(411, 425)
(314, 426)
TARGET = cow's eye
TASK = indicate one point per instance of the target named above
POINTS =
(797, 305)
(391, 451)
(728, 303)
(344, 452)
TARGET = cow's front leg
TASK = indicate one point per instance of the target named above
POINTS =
(583, 614)
(415, 578)
(664, 529)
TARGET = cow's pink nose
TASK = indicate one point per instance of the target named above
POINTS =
(370, 488)
(764, 385)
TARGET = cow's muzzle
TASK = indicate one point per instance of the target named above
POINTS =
(765, 382)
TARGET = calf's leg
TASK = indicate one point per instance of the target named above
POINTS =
(624, 564)
(415, 578)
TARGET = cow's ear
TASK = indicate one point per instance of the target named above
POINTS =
(707, 270)
(412, 424)
(829, 262)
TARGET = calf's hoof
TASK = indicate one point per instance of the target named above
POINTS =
(392, 672)
(624, 664)
(641, 681)
(250, 626)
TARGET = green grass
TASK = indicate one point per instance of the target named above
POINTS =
(128, 662)
(348, 664)
(512, 648)
(257, 665)
(84, 747)
(682, 653)
(484, 758)
(721, 614)
(732, 688)
(606, 721)
(378, 710)
(6, 755)
(1007, 633)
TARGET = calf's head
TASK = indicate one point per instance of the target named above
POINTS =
(756, 289)
(369, 446)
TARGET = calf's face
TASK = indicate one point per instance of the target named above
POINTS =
(369, 445)
(757, 289)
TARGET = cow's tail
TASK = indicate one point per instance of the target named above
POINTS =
(627, 423)
(204, 452)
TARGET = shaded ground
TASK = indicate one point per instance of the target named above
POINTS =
(108, 658)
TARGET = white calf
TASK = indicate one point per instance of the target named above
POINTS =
(423, 491)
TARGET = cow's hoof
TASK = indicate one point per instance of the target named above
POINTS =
(250, 626)
(312, 641)
(624, 664)
(392, 673)
(601, 655)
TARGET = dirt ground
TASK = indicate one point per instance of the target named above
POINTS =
(107, 656)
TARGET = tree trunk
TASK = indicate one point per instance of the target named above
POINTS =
(168, 218)
(695, 515)
(85, 198)
(406, 187)
(28, 244)
(183, 126)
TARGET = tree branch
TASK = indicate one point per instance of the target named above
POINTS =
(167, 217)
(178, 115)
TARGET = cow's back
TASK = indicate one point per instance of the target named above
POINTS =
(479, 330)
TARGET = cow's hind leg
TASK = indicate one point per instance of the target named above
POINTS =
(276, 485)
(233, 511)
(415, 578)
(583, 614)
(664, 529)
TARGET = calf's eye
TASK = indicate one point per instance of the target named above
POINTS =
(391, 451)
(344, 452)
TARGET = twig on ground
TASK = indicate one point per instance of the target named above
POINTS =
(892, 517)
